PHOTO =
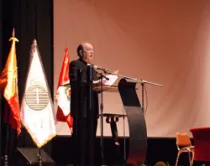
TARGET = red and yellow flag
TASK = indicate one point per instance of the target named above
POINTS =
(8, 84)
(64, 93)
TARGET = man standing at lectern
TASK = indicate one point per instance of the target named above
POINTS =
(78, 73)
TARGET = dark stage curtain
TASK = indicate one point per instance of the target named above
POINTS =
(32, 20)
(1, 53)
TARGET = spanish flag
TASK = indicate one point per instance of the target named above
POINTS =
(8, 84)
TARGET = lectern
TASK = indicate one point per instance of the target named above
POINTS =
(136, 122)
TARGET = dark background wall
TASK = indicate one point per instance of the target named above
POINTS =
(32, 20)
(0, 67)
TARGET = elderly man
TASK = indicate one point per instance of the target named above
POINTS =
(84, 122)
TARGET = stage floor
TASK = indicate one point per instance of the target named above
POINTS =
(158, 150)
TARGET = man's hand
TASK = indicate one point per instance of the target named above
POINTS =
(116, 72)
(96, 82)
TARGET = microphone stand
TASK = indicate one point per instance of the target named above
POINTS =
(101, 117)
(90, 114)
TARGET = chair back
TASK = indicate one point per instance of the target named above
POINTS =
(182, 139)
(201, 140)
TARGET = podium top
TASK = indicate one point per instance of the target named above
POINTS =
(105, 88)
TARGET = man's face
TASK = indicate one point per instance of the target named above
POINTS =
(88, 52)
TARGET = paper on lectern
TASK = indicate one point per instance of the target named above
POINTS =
(111, 81)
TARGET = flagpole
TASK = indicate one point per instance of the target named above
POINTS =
(7, 112)
(35, 20)
(40, 157)
(10, 105)
(6, 160)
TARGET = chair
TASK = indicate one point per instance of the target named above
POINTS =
(201, 141)
(184, 144)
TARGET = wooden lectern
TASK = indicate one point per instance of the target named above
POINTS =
(106, 88)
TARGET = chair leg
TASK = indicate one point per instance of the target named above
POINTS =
(192, 158)
(189, 156)
(177, 158)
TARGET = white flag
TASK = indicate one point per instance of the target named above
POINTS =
(37, 107)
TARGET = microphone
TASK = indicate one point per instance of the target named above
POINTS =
(99, 68)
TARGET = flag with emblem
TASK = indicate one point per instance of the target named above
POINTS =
(8, 84)
(37, 107)
(64, 93)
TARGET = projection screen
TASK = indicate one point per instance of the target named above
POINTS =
(165, 42)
